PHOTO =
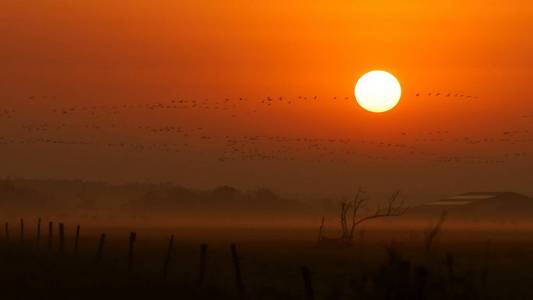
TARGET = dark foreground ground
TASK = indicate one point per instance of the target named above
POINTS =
(380, 265)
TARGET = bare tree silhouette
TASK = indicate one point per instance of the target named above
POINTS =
(352, 215)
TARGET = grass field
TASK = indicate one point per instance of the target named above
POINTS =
(381, 265)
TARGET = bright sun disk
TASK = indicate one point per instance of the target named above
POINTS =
(378, 91)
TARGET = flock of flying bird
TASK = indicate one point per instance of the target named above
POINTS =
(186, 140)
(221, 104)
(7, 113)
(447, 95)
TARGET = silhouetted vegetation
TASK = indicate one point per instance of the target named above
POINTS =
(93, 201)
(395, 263)
(300, 271)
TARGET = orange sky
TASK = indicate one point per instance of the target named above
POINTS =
(67, 54)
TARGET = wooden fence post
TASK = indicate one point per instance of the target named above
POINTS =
(38, 237)
(168, 258)
(308, 285)
(133, 237)
(321, 229)
(203, 263)
(21, 230)
(100, 253)
(50, 235)
(236, 265)
(77, 240)
(7, 230)
(61, 238)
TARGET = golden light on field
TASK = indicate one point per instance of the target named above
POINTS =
(378, 91)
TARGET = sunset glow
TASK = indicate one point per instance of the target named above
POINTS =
(186, 84)
(214, 149)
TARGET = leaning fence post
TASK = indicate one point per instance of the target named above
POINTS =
(77, 239)
(38, 237)
(168, 258)
(61, 238)
(99, 254)
(308, 285)
(321, 229)
(237, 267)
(21, 230)
(203, 263)
(50, 234)
(7, 230)
(133, 237)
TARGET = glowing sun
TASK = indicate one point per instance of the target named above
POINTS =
(378, 91)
